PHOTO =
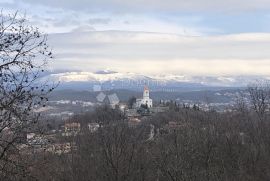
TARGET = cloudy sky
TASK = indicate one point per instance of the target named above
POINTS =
(195, 37)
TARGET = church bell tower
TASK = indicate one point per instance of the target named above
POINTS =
(146, 92)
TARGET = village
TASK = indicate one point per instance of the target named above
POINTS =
(61, 141)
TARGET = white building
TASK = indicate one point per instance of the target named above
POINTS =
(93, 127)
(145, 100)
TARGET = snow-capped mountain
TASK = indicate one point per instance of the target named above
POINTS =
(115, 80)
(100, 76)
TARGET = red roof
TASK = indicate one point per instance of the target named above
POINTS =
(146, 87)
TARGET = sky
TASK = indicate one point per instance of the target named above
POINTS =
(194, 37)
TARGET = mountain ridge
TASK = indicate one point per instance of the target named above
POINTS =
(108, 80)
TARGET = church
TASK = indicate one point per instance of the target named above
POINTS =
(145, 100)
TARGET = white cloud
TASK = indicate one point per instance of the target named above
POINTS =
(99, 20)
(158, 51)
(84, 28)
(59, 20)
(154, 53)
(157, 5)
(171, 16)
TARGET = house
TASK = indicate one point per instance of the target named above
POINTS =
(72, 129)
(93, 127)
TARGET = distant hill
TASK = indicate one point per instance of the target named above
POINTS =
(218, 95)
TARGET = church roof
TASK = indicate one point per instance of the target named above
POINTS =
(146, 87)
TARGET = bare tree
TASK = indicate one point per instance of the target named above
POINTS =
(260, 98)
(131, 102)
(24, 54)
